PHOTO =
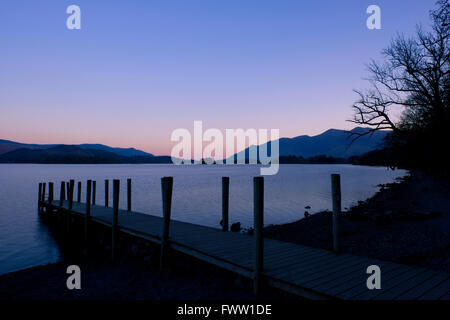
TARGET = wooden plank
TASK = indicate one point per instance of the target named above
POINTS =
(397, 291)
(334, 274)
(319, 259)
(445, 297)
(437, 292)
(349, 289)
(351, 278)
(314, 271)
(278, 264)
(387, 285)
(418, 291)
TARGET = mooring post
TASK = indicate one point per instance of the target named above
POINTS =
(88, 211)
(40, 192)
(129, 194)
(71, 189)
(94, 191)
(50, 197)
(225, 202)
(62, 194)
(50, 192)
(70, 198)
(43, 192)
(116, 192)
(106, 192)
(258, 223)
(79, 192)
(39, 197)
(336, 195)
(166, 188)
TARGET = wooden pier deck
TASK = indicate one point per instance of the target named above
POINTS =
(308, 272)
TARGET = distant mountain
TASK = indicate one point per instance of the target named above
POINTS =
(74, 154)
(7, 146)
(331, 143)
(126, 152)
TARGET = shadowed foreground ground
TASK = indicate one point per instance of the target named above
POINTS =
(184, 279)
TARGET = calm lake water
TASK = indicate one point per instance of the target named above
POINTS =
(25, 241)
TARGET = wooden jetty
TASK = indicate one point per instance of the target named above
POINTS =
(308, 272)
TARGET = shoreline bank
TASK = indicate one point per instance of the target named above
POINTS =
(406, 222)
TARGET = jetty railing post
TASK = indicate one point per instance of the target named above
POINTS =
(336, 195)
(62, 194)
(43, 192)
(39, 197)
(70, 198)
(42, 198)
(225, 202)
(106, 192)
(116, 192)
(88, 211)
(94, 191)
(79, 192)
(258, 223)
(50, 192)
(166, 189)
(50, 197)
(129, 194)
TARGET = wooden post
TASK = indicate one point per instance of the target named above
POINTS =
(39, 197)
(336, 194)
(106, 192)
(62, 194)
(116, 192)
(258, 224)
(129, 194)
(166, 188)
(40, 192)
(94, 191)
(50, 192)
(79, 192)
(225, 202)
(70, 198)
(71, 189)
(43, 192)
(88, 211)
(50, 197)
(67, 189)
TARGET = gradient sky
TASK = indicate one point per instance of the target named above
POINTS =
(137, 70)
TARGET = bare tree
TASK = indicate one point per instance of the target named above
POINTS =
(413, 77)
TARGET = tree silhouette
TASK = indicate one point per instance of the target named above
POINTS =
(413, 78)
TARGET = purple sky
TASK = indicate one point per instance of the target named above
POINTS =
(137, 70)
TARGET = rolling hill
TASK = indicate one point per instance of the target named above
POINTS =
(7, 146)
